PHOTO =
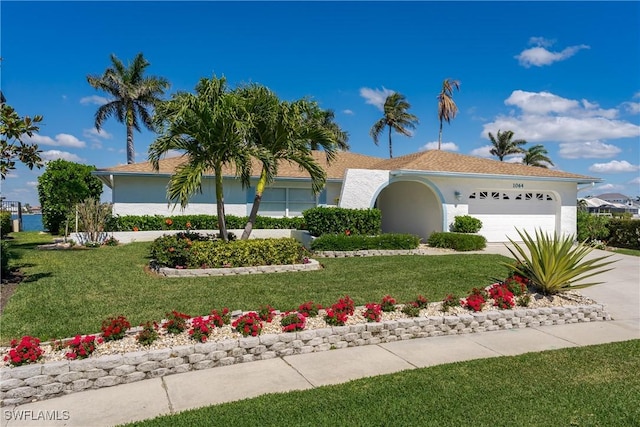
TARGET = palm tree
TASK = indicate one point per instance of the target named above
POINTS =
(326, 119)
(285, 131)
(503, 145)
(447, 108)
(396, 117)
(210, 128)
(537, 156)
(132, 94)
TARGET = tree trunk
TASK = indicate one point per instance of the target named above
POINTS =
(262, 183)
(131, 154)
(222, 224)
(440, 136)
(390, 148)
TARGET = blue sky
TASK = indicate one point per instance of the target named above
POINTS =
(562, 74)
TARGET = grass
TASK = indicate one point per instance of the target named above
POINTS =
(72, 291)
(624, 251)
(583, 386)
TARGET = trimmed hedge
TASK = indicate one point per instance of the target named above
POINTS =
(197, 222)
(341, 242)
(331, 220)
(624, 233)
(5, 223)
(5, 256)
(457, 241)
(194, 250)
(466, 224)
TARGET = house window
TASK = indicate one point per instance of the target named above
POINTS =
(286, 201)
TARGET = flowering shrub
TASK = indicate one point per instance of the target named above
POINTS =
(25, 351)
(148, 334)
(372, 312)
(411, 309)
(388, 303)
(168, 222)
(293, 321)
(475, 301)
(201, 328)
(266, 313)
(450, 301)
(220, 319)
(502, 297)
(111, 241)
(82, 347)
(309, 309)
(516, 284)
(114, 328)
(421, 302)
(339, 312)
(248, 324)
(176, 322)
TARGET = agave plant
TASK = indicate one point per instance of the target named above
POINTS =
(553, 264)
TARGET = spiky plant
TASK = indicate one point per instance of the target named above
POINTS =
(553, 264)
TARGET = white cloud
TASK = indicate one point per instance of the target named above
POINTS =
(539, 55)
(632, 107)
(61, 140)
(635, 180)
(348, 112)
(588, 150)
(94, 99)
(548, 117)
(607, 188)
(636, 95)
(483, 151)
(95, 133)
(445, 146)
(375, 97)
(57, 154)
(614, 166)
(32, 183)
(514, 159)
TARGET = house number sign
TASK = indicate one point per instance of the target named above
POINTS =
(518, 185)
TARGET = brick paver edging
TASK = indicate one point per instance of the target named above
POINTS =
(231, 271)
(42, 381)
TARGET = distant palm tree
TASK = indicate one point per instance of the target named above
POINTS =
(132, 95)
(537, 156)
(503, 145)
(447, 108)
(210, 127)
(396, 117)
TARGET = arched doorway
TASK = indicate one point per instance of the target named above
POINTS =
(409, 207)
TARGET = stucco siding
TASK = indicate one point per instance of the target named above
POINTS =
(361, 186)
(409, 207)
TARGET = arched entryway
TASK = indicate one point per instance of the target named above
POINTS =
(409, 207)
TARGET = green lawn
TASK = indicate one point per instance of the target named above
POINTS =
(70, 292)
(586, 386)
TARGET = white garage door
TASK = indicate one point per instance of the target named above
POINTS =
(501, 212)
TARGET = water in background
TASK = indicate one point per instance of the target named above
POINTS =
(32, 222)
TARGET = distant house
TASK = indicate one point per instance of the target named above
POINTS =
(418, 193)
(611, 203)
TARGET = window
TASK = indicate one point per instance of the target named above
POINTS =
(286, 201)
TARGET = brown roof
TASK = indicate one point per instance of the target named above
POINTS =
(426, 161)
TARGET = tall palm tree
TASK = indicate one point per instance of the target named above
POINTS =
(396, 117)
(537, 156)
(210, 128)
(326, 119)
(285, 131)
(132, 94)
(447, 108)
(503, 145)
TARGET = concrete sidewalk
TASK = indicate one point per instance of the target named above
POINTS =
(150, 398)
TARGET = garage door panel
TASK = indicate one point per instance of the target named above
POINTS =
(499, 228)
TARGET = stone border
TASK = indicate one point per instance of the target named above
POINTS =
(42, 381)
(379, 252)
(231, 271)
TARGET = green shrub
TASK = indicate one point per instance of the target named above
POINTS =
(175, 250)
(591, 227)
(196, 222)
(330, 220)
(5, 256)
(245, 253)
(342, 242)
(466, 224)
(457, 241)
(624, 233)
(553, 263)
(5, 223)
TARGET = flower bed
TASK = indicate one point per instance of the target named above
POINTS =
(124, 361)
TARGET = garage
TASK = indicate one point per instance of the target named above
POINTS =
(501, 212)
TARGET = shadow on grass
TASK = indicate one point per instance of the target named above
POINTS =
(30, 278)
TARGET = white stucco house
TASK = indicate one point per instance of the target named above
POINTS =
(418, 193)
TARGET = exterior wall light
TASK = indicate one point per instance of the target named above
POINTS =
(457, 194)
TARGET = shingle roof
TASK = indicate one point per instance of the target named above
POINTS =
(427, 161)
